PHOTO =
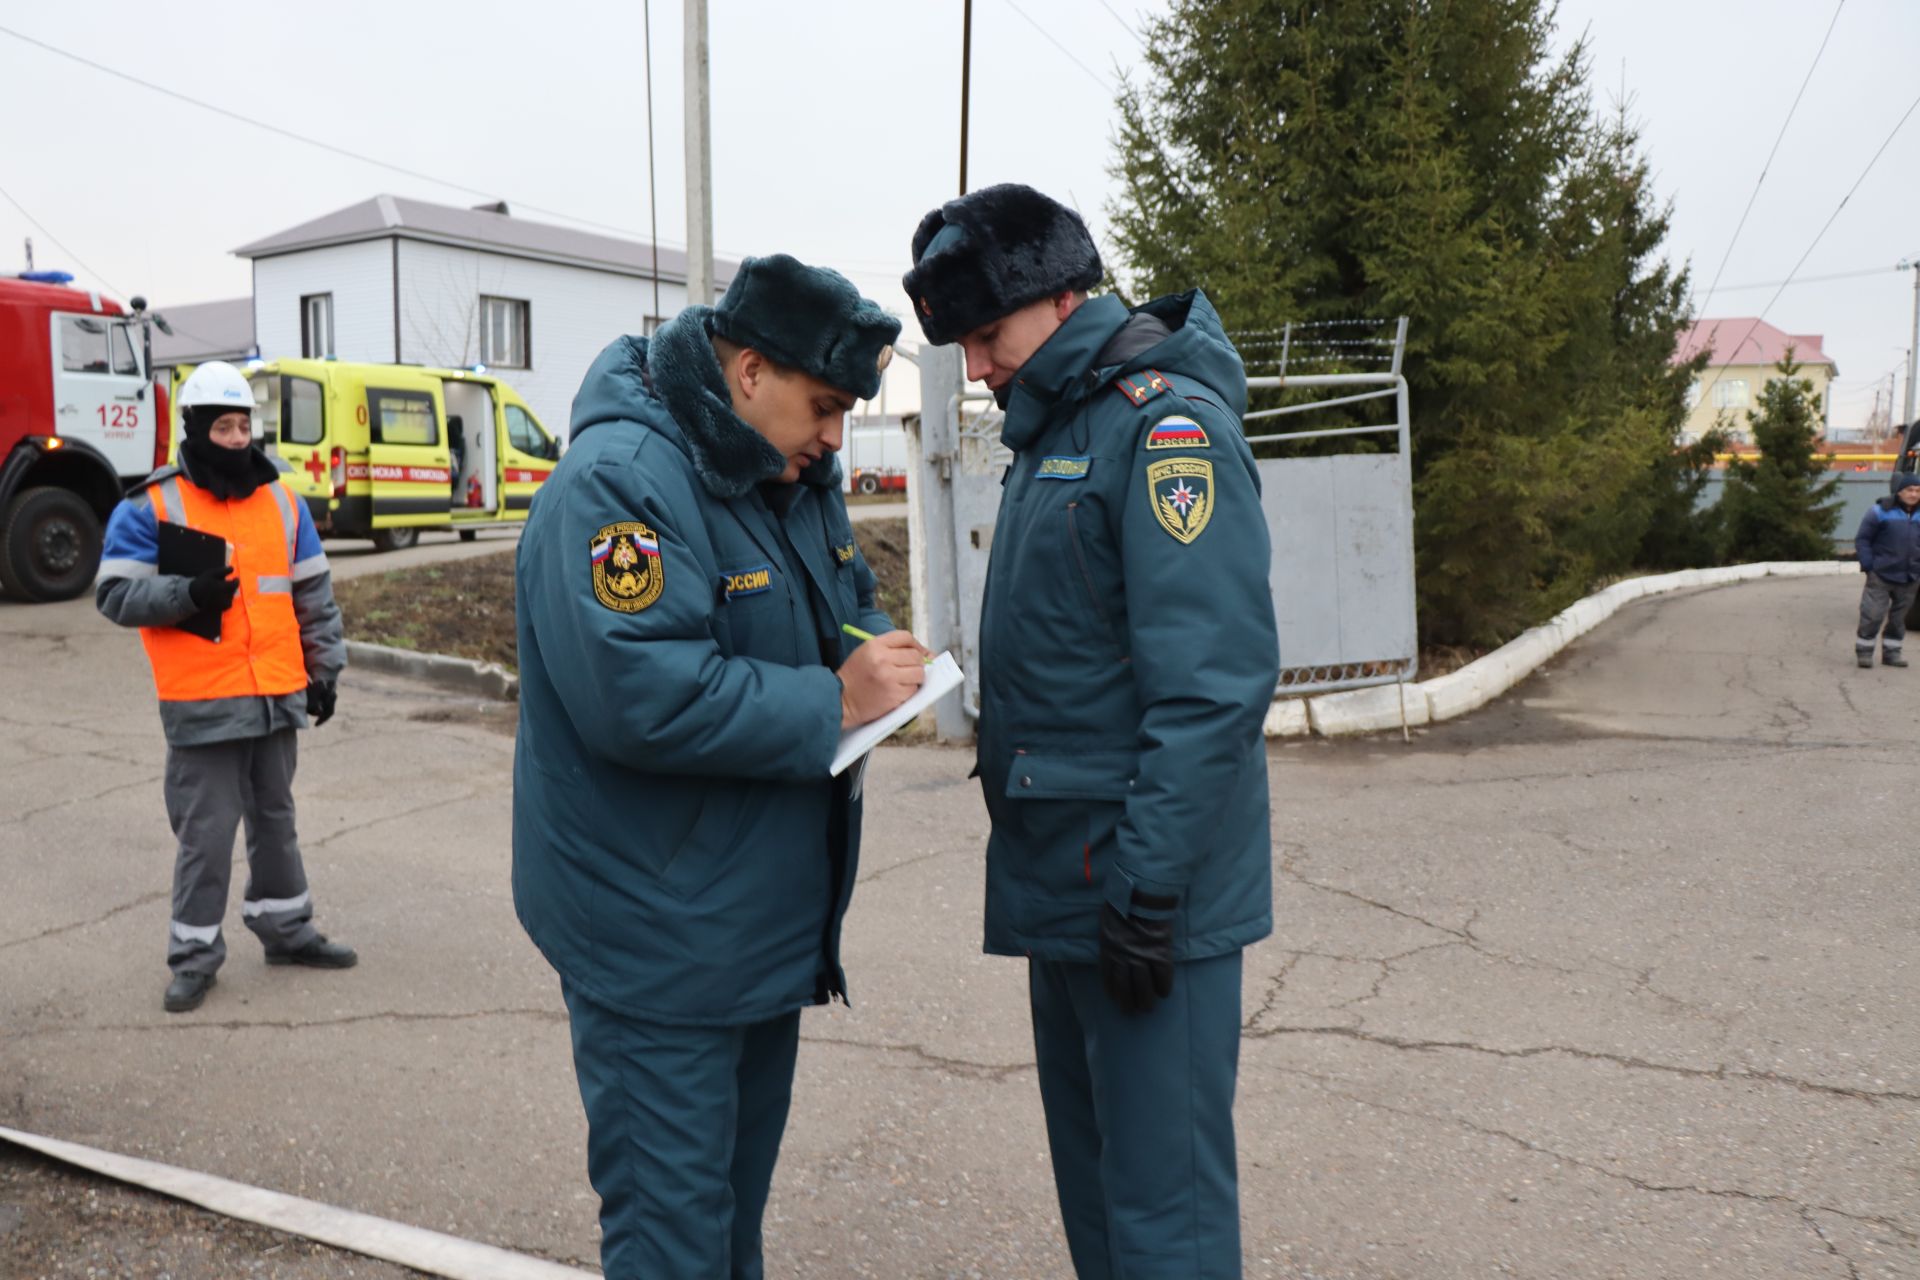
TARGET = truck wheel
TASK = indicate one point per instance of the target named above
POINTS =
(468, 535)
(869, 484)
(49, 545)
(395, 539)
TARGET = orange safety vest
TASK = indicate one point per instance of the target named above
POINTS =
(258, 653)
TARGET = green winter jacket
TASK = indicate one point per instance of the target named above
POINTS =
(1127, 649)
(680, 854)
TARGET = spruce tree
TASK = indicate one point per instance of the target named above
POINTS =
(1780, 505)
(1680, 532)
(1315, 160)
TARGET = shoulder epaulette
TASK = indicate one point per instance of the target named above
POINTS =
(1142, 385)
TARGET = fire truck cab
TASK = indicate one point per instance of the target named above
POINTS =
(80, 419)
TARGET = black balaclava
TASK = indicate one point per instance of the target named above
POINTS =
(225, 473)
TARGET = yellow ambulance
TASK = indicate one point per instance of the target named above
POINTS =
(383, 451)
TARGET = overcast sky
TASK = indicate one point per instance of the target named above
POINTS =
(835, 127)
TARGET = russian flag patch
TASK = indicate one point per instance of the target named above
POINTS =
(1177, 433)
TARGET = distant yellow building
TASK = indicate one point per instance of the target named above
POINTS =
(1745, 351)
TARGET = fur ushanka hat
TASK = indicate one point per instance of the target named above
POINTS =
(991, 252)
(808, 318)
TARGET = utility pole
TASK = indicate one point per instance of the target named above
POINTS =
(966, 77)
(29, 253)
(653, 192)
(1913, 341)
(699, 161)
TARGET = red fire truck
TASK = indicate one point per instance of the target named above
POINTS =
(80, 419)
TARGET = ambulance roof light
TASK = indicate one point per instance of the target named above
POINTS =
(479, 368)
(48, 277)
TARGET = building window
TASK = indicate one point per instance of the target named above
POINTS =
(1693, 395)
(650, 325)
(316, 326)
(1730, 393)
(505, 333)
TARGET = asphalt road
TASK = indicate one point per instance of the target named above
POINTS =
(1613, 979)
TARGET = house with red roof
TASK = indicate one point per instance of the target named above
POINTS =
(1743, 351)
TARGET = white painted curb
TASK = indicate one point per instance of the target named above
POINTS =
(416, 1247)
(462, 675)
(1378, 709)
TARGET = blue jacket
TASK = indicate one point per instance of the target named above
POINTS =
(1888, 544)
(680, 854)
(1128, 649)
(133, 592)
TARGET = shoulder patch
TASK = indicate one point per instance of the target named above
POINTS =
(844, 553)
(1178, 432)
(1181, 490)
(1064, 468)
(628, 573)
(1142, 385)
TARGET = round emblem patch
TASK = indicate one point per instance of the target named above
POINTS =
(627, 568)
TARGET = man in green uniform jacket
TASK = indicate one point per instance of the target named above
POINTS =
(681, 855)
(1127, 659)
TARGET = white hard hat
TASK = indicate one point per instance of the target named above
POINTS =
(217, 383)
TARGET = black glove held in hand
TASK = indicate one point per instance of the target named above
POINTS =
(1136, 954)
(213, 590)
(320, 700)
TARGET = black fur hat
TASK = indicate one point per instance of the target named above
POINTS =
(808, 318)
(991, 252)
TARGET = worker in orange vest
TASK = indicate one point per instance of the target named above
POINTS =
(230, 705)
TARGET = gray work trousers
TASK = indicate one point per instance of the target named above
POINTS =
(1884, 602)
(210, 791)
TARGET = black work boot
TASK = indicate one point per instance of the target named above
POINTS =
(186, 991)
(318, 954)
(1892, 658)
(1864, 657)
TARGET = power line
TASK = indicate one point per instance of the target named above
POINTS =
(1768, 163)
(1838, 275)
(1095, 76)
(1124, 24)
(41, 228)
(300, 137)
(1891, 135)
(890, 268)
(653, 197)
(111, 286)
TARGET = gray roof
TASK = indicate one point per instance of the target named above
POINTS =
(204, 331)
(485, 228)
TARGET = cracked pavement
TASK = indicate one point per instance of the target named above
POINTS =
(1615, 978)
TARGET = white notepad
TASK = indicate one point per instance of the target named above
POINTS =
(943, 677)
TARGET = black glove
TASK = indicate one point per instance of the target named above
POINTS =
(320, 700)
(1136, 953)
(212, 590)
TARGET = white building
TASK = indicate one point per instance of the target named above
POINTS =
(398, 281)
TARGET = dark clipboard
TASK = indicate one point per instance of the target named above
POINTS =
(190, 553)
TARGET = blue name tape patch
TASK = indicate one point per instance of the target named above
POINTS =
(749, 582)
(1063, 468)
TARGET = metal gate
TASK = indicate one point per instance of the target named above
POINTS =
(1342, 524)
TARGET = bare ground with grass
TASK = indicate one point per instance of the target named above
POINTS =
(465, 607)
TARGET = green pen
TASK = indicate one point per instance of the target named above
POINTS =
(858, 634)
